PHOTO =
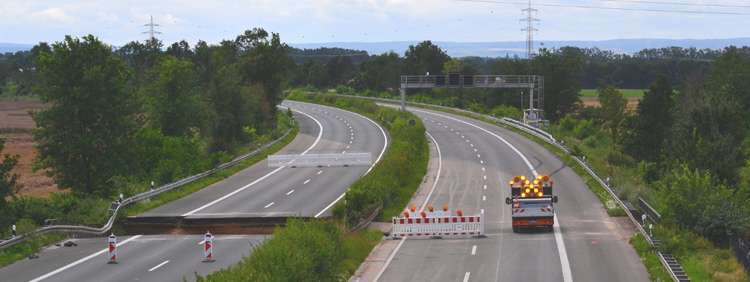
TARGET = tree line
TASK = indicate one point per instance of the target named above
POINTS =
(121, 118)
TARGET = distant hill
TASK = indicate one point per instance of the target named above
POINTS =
(498, 49)
(512, 48)
(13, 48)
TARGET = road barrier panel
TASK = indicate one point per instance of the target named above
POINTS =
(436, 227)
(208, 247)
(319, 160)
(112, 249)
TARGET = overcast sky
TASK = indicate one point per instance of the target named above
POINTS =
(300, 21)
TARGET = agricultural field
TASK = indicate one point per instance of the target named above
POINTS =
(15, 124)
(627, 93)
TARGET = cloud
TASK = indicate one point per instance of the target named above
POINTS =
(169, 19)
(108, 18)
(53, 14)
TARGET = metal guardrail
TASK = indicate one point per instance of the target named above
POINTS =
(649, 211)
(115, 206)
(318, 160)
(581, 161)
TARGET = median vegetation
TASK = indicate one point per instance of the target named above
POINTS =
(316, 250)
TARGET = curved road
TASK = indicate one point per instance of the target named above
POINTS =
(472, 163)
(257, 191)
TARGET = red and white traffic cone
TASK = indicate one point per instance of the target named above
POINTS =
(112, 249)
(208, 248)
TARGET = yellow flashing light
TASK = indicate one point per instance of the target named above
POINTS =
(540, 194)
(523, 195)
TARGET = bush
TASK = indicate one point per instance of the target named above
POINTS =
(305, 250)
(506, 111)
(568, 123)
(585, 129)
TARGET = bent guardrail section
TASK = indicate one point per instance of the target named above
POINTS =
(115, 206)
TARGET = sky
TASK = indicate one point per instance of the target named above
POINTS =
(317, 21)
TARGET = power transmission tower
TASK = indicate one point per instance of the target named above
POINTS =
(529, 31)
(151, 31)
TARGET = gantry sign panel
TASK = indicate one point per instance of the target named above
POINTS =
(534, 83)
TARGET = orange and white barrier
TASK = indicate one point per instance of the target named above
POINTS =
(208, 247)
(112, 249)
(438, 225)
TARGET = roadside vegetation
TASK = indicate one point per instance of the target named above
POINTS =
(123, 118)
(318, 250)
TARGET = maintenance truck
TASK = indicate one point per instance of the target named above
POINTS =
(532, 203)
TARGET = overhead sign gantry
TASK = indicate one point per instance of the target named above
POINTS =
(534, 83)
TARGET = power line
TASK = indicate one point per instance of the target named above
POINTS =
(611, 8)
(679, 4)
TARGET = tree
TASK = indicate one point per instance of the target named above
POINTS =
(82, 138)
(264, 64)
(614, 108)
(180, 50)
(171, 102)
(650, 127)
(341, 69)
(423, 58)
(381, 73)
(562, 87)
(7, 181)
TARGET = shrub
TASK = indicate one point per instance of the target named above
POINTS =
(585, 129)
(568, 123)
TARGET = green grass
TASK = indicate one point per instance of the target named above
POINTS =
(625, 93)
(650, 259)
(31, 246)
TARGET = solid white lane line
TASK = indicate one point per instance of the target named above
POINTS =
(306, 181)
(271, 204)
(40, 278)
(564, 262)
(385, 145)
(437, 178)
(290, 192)
(320, 133)
(155, 267)
(474, 250)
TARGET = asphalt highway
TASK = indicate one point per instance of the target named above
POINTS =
(258, 191)
(471, 166)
